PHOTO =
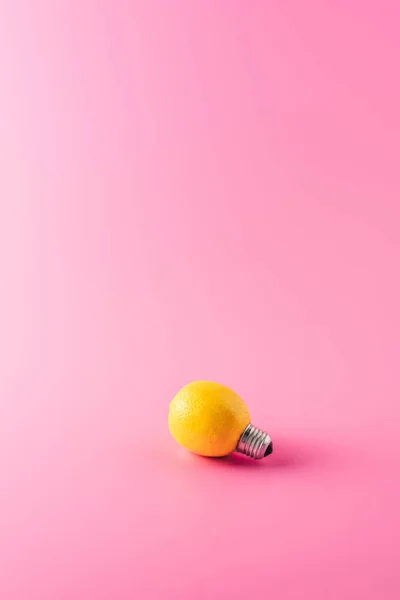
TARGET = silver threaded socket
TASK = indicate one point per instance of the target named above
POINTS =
(254, 443)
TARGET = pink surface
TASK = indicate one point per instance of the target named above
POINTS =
(191, 190)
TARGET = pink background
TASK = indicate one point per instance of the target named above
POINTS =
(199, 189)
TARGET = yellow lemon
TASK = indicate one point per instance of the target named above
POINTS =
(208, 418)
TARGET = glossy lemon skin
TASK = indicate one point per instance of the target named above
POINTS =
(208, 418)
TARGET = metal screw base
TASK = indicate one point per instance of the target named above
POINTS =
(254, 443)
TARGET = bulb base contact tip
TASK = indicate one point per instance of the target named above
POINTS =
(255, 443)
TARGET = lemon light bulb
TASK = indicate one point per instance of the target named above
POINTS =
(210, 419)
